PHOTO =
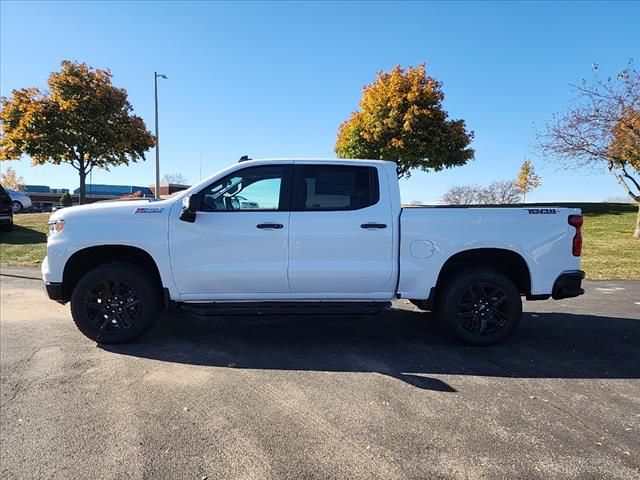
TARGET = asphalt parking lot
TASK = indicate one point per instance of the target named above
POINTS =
(387, 396)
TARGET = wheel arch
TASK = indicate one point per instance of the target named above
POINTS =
(508, 262)
(89, 258)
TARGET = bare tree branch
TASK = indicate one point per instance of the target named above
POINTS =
(600, 127)
(633, 180)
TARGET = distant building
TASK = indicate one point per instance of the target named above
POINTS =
(167, 189)
(45, 197)
(44, 189)
(92, 189)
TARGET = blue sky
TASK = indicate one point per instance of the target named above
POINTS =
(276, 79)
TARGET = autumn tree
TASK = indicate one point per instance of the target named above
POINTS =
(527, 180)
(82, 120)
(601, 128)
(175, 178)
(461, 195)
(402, 118)
(136, 194)
(502, 192)
(10, 180)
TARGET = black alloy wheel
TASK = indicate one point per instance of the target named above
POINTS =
(116, 302)
(112, 305)
(483, 309)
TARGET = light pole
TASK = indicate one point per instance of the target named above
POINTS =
(155, 85)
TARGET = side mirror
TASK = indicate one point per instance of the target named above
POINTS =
(190, 205)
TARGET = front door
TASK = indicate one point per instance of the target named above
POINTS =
(237, 248)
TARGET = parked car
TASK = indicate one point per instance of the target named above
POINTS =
(6, 212)
(20, 201)
(328, 236)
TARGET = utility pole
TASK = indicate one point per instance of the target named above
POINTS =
(155, 89)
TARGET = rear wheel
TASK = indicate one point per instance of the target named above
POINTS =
(115, 303)
(16, 206)
(480, 306)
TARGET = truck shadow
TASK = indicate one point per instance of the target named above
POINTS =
(23, 236)
(403, 344)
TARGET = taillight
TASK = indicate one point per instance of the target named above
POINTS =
(576, 221)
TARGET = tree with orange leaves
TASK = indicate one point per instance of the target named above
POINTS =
(83, 120)
(401, 118)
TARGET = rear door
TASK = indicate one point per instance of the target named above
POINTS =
(341, 232)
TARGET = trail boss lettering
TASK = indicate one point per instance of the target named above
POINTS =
(306, 236)
(542, 211)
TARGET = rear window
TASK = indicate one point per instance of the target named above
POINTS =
(335, 187)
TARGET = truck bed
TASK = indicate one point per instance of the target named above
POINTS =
(431, 235)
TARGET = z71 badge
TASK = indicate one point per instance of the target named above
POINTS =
(148, 210)
(542, 211)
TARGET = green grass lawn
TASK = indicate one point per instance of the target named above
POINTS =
(609, 251)
(27, 243)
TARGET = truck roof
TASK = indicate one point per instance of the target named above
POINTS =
(319, 160)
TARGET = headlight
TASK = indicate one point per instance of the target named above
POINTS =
(56, 227)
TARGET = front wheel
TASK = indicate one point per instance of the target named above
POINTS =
(16, 206)
(480, 306)
(115, 303)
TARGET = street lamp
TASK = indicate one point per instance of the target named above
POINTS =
(155, 85)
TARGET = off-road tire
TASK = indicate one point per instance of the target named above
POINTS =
(479, 306)
(116, 302)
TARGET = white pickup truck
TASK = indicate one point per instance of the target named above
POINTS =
(273, 236)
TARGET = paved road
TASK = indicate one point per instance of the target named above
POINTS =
(387, 396)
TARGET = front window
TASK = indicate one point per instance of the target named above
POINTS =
(254, 189)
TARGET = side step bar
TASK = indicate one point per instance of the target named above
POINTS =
(285, 308)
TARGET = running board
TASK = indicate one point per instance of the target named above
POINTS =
(285, 308)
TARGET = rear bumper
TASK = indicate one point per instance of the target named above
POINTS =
(568, 284)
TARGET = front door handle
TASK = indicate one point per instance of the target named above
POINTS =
(373, 225)
(269, 225)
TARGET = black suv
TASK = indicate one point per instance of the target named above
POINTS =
(6, 212)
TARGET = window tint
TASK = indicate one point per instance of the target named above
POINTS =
(253, 188)
(335, 187)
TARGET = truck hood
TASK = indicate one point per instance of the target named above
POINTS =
(114, 208)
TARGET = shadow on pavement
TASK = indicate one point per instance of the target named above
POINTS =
(23, 236)
(402, 344)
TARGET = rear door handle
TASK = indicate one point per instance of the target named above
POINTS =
(270, 225)
(373, 225)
